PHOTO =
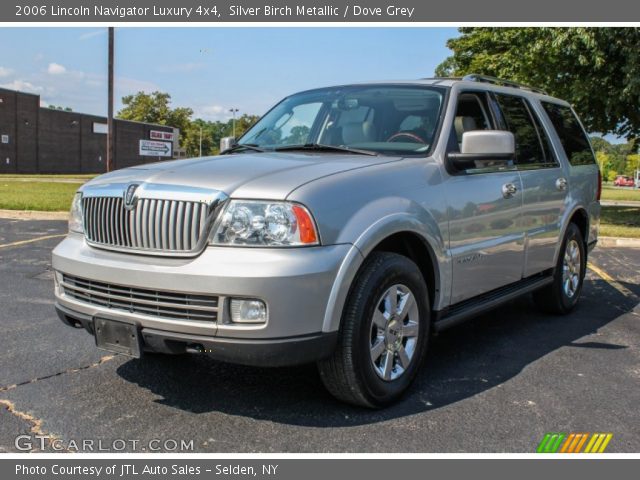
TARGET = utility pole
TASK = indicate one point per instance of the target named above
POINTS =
(201, 140)
(233, 112)
(110, 132)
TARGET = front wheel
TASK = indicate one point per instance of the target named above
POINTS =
(561, 296)
(384, 332)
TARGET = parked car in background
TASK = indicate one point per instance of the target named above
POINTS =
(623, 181)
(344, 228)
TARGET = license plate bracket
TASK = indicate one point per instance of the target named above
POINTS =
(117, 337)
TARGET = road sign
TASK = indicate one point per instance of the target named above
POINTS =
(153, 148)
(160, 135)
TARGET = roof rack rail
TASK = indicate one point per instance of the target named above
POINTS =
(474, 77)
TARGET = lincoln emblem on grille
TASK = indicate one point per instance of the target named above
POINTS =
(129, 196)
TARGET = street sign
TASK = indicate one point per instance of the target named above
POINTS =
(160, 135)
(5, 138)
(153, 148)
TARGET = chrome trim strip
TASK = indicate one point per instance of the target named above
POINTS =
(154, 191)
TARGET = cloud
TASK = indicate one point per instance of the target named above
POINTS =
(22, 86)
(181, 67)
(212, 112)
(126, 86)
(94, 33)
(5, 72)
(82, 91)
(56, 69)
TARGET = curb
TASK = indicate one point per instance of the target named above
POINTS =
(33, 215)
(618, 242)
(620, 203)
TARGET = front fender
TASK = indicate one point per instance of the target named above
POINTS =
(423, 225)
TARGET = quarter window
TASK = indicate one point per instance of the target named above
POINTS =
(574, 140)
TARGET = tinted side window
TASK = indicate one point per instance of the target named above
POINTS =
(518, 121)
(546, 143)
(572, 136)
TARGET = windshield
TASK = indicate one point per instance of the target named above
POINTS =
(391, 120)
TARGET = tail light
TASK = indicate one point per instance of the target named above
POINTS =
(599, 185)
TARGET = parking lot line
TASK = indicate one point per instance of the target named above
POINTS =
(32, 240)
(610, 280)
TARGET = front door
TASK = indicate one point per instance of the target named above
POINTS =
(486, 240)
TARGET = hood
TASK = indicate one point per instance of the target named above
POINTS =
(268, 175)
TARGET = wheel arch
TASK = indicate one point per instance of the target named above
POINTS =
(580, 217)
(397, 233)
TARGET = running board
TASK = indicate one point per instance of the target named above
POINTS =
(467, 309)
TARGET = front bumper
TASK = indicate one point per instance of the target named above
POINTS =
(295, 284)
(274, 352)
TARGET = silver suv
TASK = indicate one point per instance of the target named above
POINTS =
(344, 228)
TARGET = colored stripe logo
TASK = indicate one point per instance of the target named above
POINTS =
(574, 443)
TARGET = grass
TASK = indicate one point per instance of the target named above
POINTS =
(620, 193)
(620, 222)
(39, 196)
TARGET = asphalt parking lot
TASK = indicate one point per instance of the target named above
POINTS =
(495, 384)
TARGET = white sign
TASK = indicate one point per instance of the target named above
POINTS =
(159, 135)
(100, 128)
(153, 148)
(5, 138)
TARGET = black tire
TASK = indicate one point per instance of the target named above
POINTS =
(350, 374)
(554, 298)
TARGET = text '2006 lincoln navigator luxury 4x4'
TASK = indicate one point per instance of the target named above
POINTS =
(344, 228)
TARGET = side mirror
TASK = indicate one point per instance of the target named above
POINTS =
(226, 143)
(484, 146)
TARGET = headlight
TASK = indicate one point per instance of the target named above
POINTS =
(75, 216)
(264, 224)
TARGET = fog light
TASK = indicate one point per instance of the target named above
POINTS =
(248, 310)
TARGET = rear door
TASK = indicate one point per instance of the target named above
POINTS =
(544, 183)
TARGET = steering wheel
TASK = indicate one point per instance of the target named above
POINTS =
(414, 138)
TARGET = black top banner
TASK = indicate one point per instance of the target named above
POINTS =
(407, 11)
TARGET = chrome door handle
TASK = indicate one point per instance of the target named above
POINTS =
(509, 190)
(561, 184)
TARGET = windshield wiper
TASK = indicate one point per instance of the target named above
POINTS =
(319, 147)
(242, 146)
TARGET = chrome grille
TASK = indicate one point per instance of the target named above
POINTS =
(168, 305)
(153, 225)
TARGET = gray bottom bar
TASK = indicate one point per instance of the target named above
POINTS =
(548, 466)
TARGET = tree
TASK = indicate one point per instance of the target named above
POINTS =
(155, 108)
(243, 124)
(66, 109)
(599, 144)
(298, 135)
(212, 132)
(595, 69)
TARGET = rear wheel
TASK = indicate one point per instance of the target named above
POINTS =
(561, 296)
(383, 336)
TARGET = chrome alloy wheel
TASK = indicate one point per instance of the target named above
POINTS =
(394, 332)
(571, 268)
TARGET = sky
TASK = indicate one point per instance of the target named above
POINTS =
(210, 69)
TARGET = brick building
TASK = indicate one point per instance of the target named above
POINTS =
(35, 139)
